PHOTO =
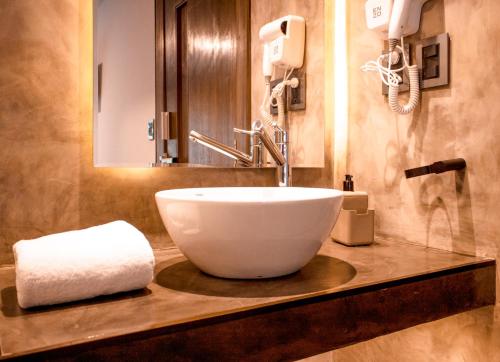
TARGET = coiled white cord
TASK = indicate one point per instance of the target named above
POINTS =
(414, 93)
(390, 78)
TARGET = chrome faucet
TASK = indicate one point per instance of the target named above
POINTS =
(278, 149)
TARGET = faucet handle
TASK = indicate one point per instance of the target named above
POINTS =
(257, 128)
(243, 131)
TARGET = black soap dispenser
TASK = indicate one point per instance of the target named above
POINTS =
(348, 183)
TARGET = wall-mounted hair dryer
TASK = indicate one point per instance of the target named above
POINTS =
(283, 41)
(395, 19)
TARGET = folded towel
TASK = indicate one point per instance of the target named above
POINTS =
(82, 264)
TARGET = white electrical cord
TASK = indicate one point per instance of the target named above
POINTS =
(276, 99)
(390, 78)
(264, 107)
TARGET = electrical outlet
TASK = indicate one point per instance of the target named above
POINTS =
(296, 97)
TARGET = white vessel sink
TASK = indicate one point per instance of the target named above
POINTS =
(249, 232)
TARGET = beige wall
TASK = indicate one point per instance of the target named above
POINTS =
(450, 211)
(307, 130)
(47, 179)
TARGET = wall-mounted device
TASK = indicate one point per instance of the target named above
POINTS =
(283, 41)
(395, 19)
(283, 47)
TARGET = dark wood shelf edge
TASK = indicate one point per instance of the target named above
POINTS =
(300, 328)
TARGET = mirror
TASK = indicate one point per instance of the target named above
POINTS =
(165, 67)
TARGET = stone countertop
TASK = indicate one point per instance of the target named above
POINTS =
(182, 294)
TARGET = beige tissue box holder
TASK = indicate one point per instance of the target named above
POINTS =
(353, 228)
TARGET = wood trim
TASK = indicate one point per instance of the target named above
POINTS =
(302, 328)
(160, 92)
(181, 41)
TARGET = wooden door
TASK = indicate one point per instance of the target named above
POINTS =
(207, 73)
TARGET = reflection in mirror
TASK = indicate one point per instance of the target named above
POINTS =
(124, 82)
(164, 68)
(207, 75)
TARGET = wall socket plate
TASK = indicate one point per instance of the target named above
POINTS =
(433, 60)
(295, 98)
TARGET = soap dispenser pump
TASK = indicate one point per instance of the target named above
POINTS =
(355, 225)
(348, 183)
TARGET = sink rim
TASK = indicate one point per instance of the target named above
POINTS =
(192, 194)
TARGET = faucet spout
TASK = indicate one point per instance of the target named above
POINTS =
(278, 149)
(221, 148)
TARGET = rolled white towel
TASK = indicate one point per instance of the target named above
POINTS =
(82, 264)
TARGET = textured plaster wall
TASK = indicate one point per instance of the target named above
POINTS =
(449, 211)
(453, 211)
(307, 129)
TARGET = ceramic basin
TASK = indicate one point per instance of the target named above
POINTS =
(249, 232)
